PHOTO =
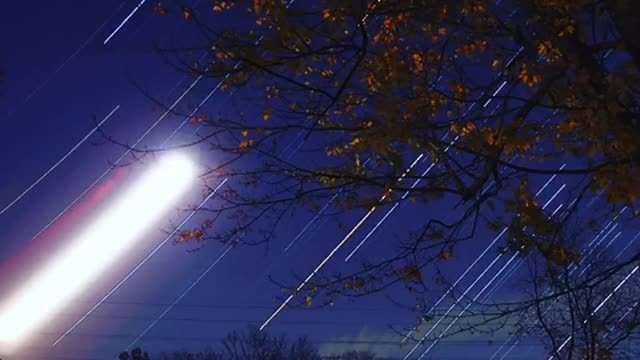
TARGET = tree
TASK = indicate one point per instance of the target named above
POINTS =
(353, 355)
(252, 345)
(185, 355)
(496, 96)
(593, 315)
(135, 354)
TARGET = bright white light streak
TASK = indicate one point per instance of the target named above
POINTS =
(127, 152)
(572, 268)
(602, 303)
(513, 269)
(169, 110)
(60, 161)
(126, 19)
(452, 306)
(494, 94)
(465, 291)
(179, 298)
(549, 181)
(624, 249)
(416, 182)
(97, 247)
(475, 262)
(138, 266)
(390, 211)
(442, 297)
(457, 317)
(319, 267)
(334, 251)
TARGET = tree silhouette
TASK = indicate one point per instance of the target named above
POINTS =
(353, 355)
(499, 97)
(252, 344)
(592, 317)
(135, 354)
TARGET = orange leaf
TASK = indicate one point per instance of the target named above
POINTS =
(159, 10)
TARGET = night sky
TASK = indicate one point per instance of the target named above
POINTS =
(60, 80)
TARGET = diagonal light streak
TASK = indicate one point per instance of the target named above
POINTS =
(452, 306)
(127, 152)
(467, 270)
(537, 320)
(138, 266)
(473, 264)
(331, 254)
(602, 303)
(179, 298)
(94, 249)
(393, 208)
(513, 269)
(457, 317)
(60, 161)
(571, 269)
(414, 348)
(126, 19)
(413, 186)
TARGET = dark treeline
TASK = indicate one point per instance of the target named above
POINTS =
(252, 345)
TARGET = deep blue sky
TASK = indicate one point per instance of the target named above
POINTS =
(59, 76)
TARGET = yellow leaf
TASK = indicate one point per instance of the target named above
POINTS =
(266, 115)
(308, 301)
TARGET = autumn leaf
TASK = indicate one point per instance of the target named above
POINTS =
(446, 255)
(244, 145)
(186, 13)
(266, 115)
(308, 301)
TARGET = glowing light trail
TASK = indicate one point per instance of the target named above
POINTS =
(417, 181)
(455, 303)
(513, 257)
(335, 250)
(127, 152)
(60, 161)
(138, 266)
(571, 269)
(95, 248)
(154, 125)
(390, 211)
(468, 269)
(602, 303)
(126, 19)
